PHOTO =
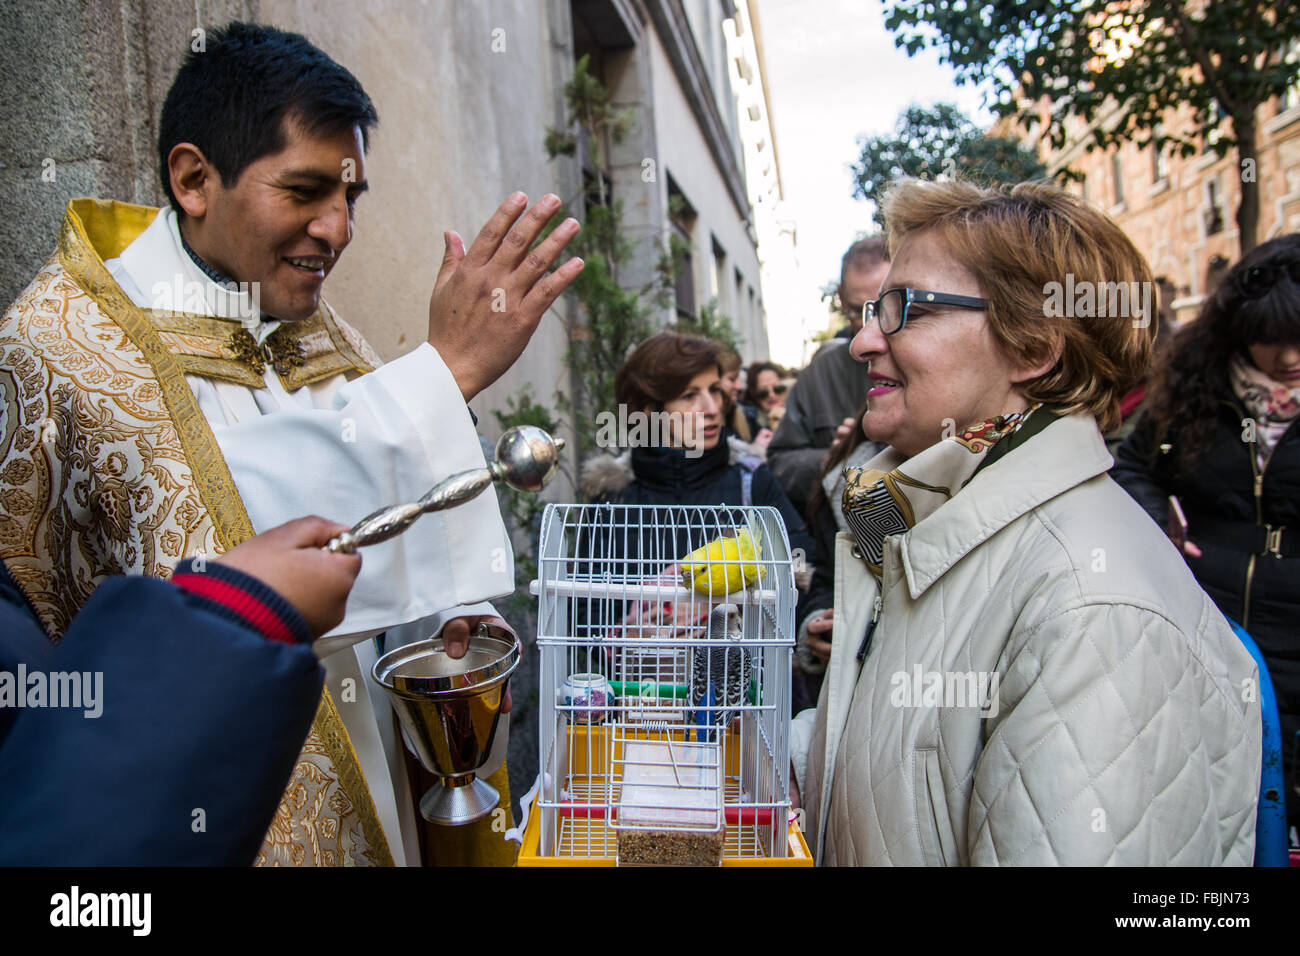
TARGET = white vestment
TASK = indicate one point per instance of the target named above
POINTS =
(341, 450)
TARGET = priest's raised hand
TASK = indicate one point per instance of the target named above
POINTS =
(488, 301)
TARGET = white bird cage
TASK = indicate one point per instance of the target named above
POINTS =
(664, 711)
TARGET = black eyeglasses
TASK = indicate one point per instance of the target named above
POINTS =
(1259, 280)
(891, 308)
(775, 390)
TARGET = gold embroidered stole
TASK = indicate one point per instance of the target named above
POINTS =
(107, 466)
(301, 353)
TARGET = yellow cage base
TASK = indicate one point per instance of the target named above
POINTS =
(589, 832)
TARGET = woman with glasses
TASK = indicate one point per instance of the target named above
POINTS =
(1220, 436)
(1022, 670)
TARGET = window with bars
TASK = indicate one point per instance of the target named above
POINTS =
(682, 218)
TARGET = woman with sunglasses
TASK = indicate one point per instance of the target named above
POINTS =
(1022, 670)
(764, 392)
(1220, 436)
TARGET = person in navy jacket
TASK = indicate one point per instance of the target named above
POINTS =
(181, 706)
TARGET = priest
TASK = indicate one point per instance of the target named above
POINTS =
(172, 382)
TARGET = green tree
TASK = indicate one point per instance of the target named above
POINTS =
(711, 323)
(525, 508)
(938, 141)
(611, 319)
(1222, 59)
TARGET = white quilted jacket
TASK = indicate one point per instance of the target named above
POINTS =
(1125, 727)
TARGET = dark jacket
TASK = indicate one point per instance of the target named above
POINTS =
(665, 476)
(200, 721)
(1230, 508)
(832, 388)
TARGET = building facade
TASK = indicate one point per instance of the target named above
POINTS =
(775, 318)
(1181, 211)
(465, 94)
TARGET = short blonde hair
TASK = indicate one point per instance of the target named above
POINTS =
(1018, 241)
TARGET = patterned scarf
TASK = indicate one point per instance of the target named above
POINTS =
(880, 502)
(1271, 404)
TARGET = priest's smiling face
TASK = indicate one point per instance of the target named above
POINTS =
(286, 220)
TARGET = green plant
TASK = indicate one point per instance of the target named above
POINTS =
(611, 319)
(938, 141)
(710, 324)
(525, 508)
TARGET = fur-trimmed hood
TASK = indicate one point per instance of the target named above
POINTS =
(605, 476)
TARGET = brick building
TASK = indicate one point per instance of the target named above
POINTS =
(1181, 212)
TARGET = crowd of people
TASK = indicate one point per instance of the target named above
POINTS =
(941, 464)
(901, 461)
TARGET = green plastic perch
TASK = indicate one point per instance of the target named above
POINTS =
(647, 688)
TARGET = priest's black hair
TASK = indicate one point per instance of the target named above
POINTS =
(237, 86)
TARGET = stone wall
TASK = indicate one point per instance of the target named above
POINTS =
(83, 83)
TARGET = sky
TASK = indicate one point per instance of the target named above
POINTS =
(833, 74)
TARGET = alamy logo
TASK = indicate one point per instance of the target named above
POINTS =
(205, 298)
(975, 689)
(1084, 299)
(650, 430)
(75, 908)
(77, 689)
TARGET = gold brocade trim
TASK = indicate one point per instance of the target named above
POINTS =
(208, 467)
(223, 349)
(341, 343)
(352, 778)
(315, 369)
(219, 368)
(209, 471)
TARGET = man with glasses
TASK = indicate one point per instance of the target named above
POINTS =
(833, 387)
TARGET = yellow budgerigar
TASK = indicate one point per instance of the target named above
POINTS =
(725, 565)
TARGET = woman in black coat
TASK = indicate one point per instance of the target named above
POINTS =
(682, 375)
(1220, 436)
(676, 472)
